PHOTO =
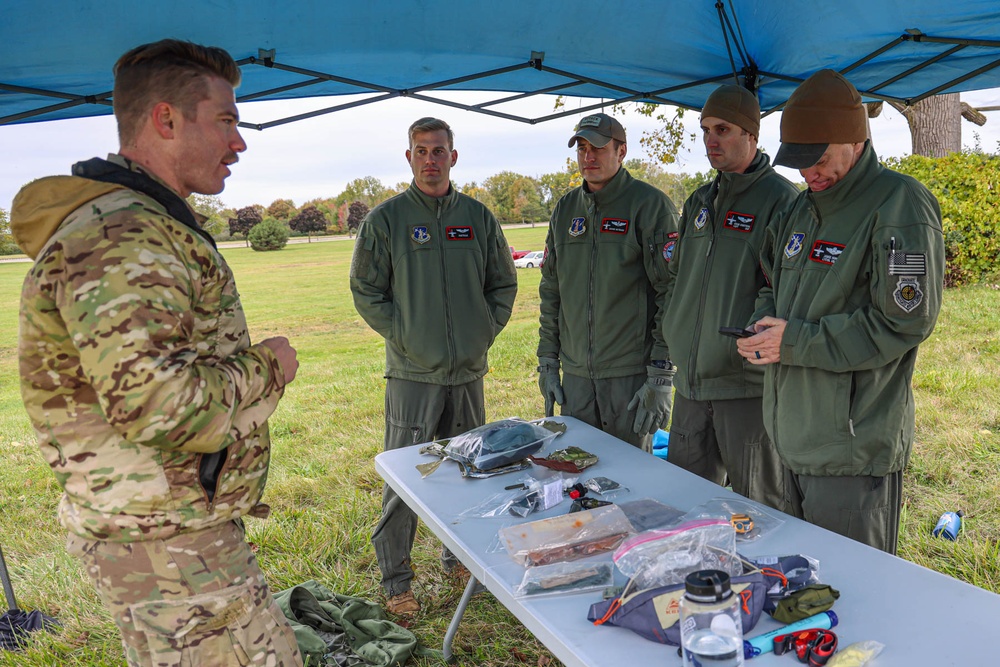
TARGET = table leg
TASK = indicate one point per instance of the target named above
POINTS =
(471, 589)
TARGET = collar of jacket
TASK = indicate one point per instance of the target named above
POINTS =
(738, 183)
(851, 187)
(612, 190)
(431, 203)
(119, 170)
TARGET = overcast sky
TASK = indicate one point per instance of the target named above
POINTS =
(317, 157)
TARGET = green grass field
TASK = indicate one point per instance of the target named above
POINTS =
(326, 495)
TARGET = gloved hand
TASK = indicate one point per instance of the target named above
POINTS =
(653, 401)
(548, 382)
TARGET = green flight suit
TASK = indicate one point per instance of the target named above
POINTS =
(857, 272)
(602, 288)
(717, 428)
(434, 276)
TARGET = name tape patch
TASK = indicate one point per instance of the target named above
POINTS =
(741, 222)
(463, 233)
(614, 226)
(826, 252)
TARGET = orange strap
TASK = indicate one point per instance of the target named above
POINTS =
(610, 612)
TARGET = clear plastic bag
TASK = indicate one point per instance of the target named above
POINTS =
(663, 557)
(857, 654)
(566, 578)
(566, 537)
(750, 520)
(609, 489)
(648, 514)
(498, 443)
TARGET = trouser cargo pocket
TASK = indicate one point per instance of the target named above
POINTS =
(218, 628)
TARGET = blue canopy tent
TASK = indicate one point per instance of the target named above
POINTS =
(56, 55)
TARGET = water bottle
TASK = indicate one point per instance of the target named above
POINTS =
(948, 525)
(711, 625)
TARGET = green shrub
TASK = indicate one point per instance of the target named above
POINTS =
(967, 185)
(268, 235)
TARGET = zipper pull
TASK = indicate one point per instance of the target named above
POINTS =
(711, 242)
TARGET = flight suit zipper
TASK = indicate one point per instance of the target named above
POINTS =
(449, 329)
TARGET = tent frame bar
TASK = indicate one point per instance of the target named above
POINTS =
(266, 58)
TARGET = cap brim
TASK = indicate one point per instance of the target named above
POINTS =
(596, 140)
(799, 156)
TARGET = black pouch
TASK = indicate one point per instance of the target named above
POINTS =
(805, 602)
(654, 613)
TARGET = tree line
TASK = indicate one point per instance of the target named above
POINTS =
(513, 198)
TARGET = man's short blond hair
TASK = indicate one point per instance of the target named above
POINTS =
(431, 125)
(171, 71)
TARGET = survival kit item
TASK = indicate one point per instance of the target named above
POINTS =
(857, 654)
(494, 448)
(572, 460)
(654, 613)
(581, 504)
(566, 537)
(575, 577)
(664, 557)
(608, 488)
(535, 492)
(649, 514)
(812, 647)
(949, 525)
(750, 520)
(736, 332)
(764, 643)
(804, 603)
(711, 625)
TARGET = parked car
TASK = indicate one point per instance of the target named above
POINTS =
(531, 260)
(517, 254)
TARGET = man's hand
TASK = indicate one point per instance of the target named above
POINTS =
(286, 355)
(549, 384)
(653, 401)
(765, 347)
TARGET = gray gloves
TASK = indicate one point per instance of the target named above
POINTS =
(548, 382)
(653, 401)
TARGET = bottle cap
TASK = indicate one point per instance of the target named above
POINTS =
(710, 584)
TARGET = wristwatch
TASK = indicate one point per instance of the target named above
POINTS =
(662, 364)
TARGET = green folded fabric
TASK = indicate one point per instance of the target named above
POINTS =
(334, 629)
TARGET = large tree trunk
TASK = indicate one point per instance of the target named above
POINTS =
(936, 125)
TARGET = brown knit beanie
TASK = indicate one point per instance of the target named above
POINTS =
(825, 109)
(734, 104)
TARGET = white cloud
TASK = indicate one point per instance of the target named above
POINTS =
(317, 157)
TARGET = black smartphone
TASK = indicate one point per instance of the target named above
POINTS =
(736, 332)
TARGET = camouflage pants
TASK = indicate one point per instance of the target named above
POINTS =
(189, 600)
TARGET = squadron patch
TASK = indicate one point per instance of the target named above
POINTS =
(614, 226)
(699, 222)
(577, 226)
(419, 234)
(462, 233)
(794, 245)
(741, 222)
(908, 294)
(668, 250)
(826, 252)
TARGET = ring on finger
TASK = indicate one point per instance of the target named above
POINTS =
(757, 352)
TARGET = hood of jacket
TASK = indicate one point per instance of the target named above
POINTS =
(41, 206)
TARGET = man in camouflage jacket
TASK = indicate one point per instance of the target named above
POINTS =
(137, 371)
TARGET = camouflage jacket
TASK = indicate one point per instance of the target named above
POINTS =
(136, 364)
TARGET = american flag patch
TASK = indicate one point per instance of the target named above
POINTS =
(907, 264)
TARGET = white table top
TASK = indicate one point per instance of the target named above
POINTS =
(922, 617)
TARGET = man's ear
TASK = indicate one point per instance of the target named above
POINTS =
(454, 157)
(163, 116)
(622, 151)
(407, 156)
